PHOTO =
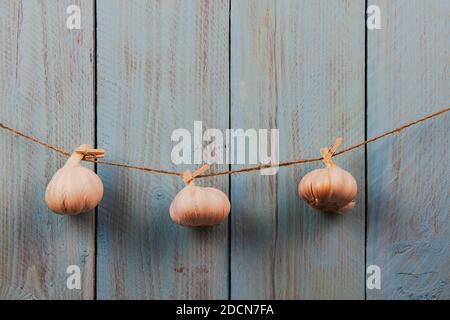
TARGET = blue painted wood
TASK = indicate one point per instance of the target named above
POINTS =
(161, 65)
(47, 91)
(297, 66)
(408, 174)
(253, 196)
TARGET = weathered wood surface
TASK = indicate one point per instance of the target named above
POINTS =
(297, 66)
(46, 90)
(408, 174)
(161, 65)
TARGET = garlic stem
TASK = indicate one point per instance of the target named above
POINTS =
(328, 153)
(187, 178)
(85, 151)
(326, 157)
(77, 156)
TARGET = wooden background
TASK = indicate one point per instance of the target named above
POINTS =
(137, 70)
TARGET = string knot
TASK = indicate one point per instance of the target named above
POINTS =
(189, 177)
(327, 153)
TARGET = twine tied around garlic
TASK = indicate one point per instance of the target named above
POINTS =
(330, 188)
(75, 189)
(189, 177)
(196, 206)
(345, 193)
(327, 153)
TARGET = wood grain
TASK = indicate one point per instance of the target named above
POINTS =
(297, 66)
(253, 101)
(161, 65)
(46, 90)
(408, 174)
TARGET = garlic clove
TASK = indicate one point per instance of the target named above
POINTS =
(328, 189)
(331, 188)
(74, 189)
(344, 187)
(197, 206)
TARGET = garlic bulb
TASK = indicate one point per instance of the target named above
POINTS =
(75, 189)
(331, 188)
(198, 206)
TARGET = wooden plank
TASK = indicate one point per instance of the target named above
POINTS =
(297, 66)
(47, 91)
(408, 174)
(253, 102)
(161, 65)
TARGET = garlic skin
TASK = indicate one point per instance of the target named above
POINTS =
(329, 189)
(74, 189)
(199, 207)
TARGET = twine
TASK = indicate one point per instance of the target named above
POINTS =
(234, 171)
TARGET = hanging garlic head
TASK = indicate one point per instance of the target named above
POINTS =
(75, 189)
(330, 188)
(196, 206)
